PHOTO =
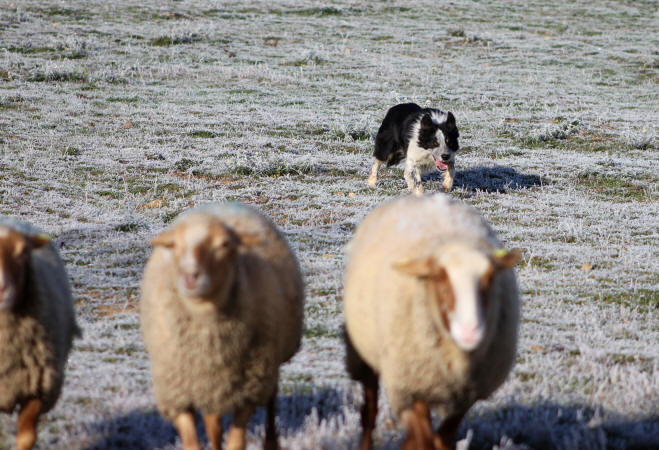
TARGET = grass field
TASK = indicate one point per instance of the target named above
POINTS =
(116, 116)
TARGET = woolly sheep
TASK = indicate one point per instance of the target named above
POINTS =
(221, 310)
(432, 309)
(37, 326)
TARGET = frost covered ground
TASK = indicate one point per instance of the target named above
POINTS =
(116, 116)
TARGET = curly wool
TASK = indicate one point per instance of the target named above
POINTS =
(219, 361)
(387, 314)
(37, 334)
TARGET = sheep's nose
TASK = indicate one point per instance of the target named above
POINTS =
(471, 334)
(446, 157)
(191, 279)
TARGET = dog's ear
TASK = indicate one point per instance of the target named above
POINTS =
(426, 121)
(450, 119)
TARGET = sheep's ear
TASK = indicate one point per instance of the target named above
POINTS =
(164, 239)
(249, 239)
(38, 241)
(425, 267)
(505, 259)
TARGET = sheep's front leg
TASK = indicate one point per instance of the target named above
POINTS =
(449, 176)
(238, 430)
(417, 420)
(373, 178)
(26, 436)
(270, 428)
(369, 409)
(184, 424)
(213, 426)
(447, 432)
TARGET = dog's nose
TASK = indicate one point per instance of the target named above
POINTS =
(446, 157)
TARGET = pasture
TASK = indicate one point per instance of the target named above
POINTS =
(116, 116)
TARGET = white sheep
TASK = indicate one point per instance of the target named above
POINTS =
(37, 326)
(432, 309)
(221, 310)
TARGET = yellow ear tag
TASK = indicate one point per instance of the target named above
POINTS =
(500, 252)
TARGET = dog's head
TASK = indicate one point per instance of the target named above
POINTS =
(439, 134)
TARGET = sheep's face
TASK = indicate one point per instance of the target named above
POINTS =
(459, 279)
(202, 252)
(15, 251)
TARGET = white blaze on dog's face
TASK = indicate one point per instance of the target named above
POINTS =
(439, 134)
(459, 278)
(15, 251)
(202, 248)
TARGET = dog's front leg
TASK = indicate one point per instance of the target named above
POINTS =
(373, 178)
(418, 187)
(449, 175)
(413, 178)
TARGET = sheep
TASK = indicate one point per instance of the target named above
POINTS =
(432, 310)
(221, 309)
(37, 326)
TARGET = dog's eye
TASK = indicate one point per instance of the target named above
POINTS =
(435, 143)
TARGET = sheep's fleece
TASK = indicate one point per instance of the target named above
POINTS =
(219, 361)
(388, 318)
(37, 334)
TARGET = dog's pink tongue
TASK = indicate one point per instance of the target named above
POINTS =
(440, 165)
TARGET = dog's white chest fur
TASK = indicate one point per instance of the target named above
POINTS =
(420, 157)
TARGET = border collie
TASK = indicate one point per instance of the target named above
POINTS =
(426, 138)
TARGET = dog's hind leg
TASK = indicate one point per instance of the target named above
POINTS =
(373, 178)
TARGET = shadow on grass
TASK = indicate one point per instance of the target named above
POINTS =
(491, 179)
(542, 426)
(547, 425)
(149, 430)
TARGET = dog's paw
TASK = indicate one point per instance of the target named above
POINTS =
(372, 181)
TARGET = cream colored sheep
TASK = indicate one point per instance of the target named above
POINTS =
(432, 310)
(221, 310)
(37, 326)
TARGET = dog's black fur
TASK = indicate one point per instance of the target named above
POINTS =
(396, 131)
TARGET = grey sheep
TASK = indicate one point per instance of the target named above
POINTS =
(221, 310)
(432, 310)
(37, 326)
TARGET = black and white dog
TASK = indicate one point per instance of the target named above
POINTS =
(426, 138)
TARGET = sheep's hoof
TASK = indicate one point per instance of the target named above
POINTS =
(26, 440)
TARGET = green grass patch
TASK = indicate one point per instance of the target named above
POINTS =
(128, 227)
(122, 99)
(310, 60)
(110, 194)
(643, 298)
(183, 164)
(202, 134)
(612, 187)
(59, 75)
(324, 11)
(29, 50)
(71, 151)
(319, 331)
(167, 41)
